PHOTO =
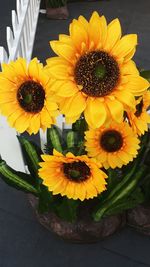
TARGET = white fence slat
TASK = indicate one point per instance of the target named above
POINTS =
(3, 55)
(14, 22)
(10, 39)
(20, 40)
(29, 23)
(9, 146)
(18, 7)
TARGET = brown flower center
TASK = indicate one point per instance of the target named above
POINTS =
(139, 109)
(111, 141)
(31, 96)
(76, 171)
(97, 72)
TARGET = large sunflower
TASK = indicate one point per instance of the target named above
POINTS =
(94, 72)
(77, 177)
(25, 96)
(139, 119)
(112, 146)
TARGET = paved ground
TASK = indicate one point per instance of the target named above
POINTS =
(23, 242)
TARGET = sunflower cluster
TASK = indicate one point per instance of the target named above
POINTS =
(94, 77)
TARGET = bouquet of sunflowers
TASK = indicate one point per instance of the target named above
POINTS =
(102, 159)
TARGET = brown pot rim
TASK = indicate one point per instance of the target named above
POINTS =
(82, 231)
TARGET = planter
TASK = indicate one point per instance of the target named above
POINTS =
(139, 218)
(57, 13)
(84, 230)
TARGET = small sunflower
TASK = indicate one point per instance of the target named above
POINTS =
(140, 119)
(94, 72)
(76, 177)
(25, 96)
(113, 146)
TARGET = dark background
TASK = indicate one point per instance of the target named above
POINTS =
(23, 241)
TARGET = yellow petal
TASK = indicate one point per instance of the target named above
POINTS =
(34, 124)
(73, 119)
(95, 29)
(7, 84)
(97, 112)
(129, 68)
(74, 105)
(130, 55)
(56, 153)
(113, 34)
(114, 161)
(78, 34)
(51, 106)
(20, 67)
(137, 85)
(6, 97)
(124, 157)
(90, 190)
(45, 117)
(67, 89)
(7, 109)
(104, 31)
(52, 61)
(59, 71)
(124, 46)
(65, 39)
(79, 192)
(84, 22)
(8, 72)
(14, 116)
(126, 98)
(116, 109)
(33, 68)
(43, 78)
(94, 16)
(64, 50)
(70, 189)
(102, 157)
(22, 123)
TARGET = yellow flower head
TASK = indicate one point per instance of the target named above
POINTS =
(25, 96)
(76, 177)
(94, 72)
(113, 146)
(139, 119)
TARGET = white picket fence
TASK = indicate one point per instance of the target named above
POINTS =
(20, 40)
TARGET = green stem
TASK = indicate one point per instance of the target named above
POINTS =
(116, 195)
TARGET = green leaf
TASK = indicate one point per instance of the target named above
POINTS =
(80, 126)
(132, 176)
(32, 154)
(45, 199)
(26, 177)
(71, 139)
(115, 176)
(122, 190)
(67, 210)
(54, 138)
(16, 179)
(130, 202)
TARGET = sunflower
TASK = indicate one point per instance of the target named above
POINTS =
(140, 118)
(94, 72)
(25, 96)
(77, 177)
(112, 146)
